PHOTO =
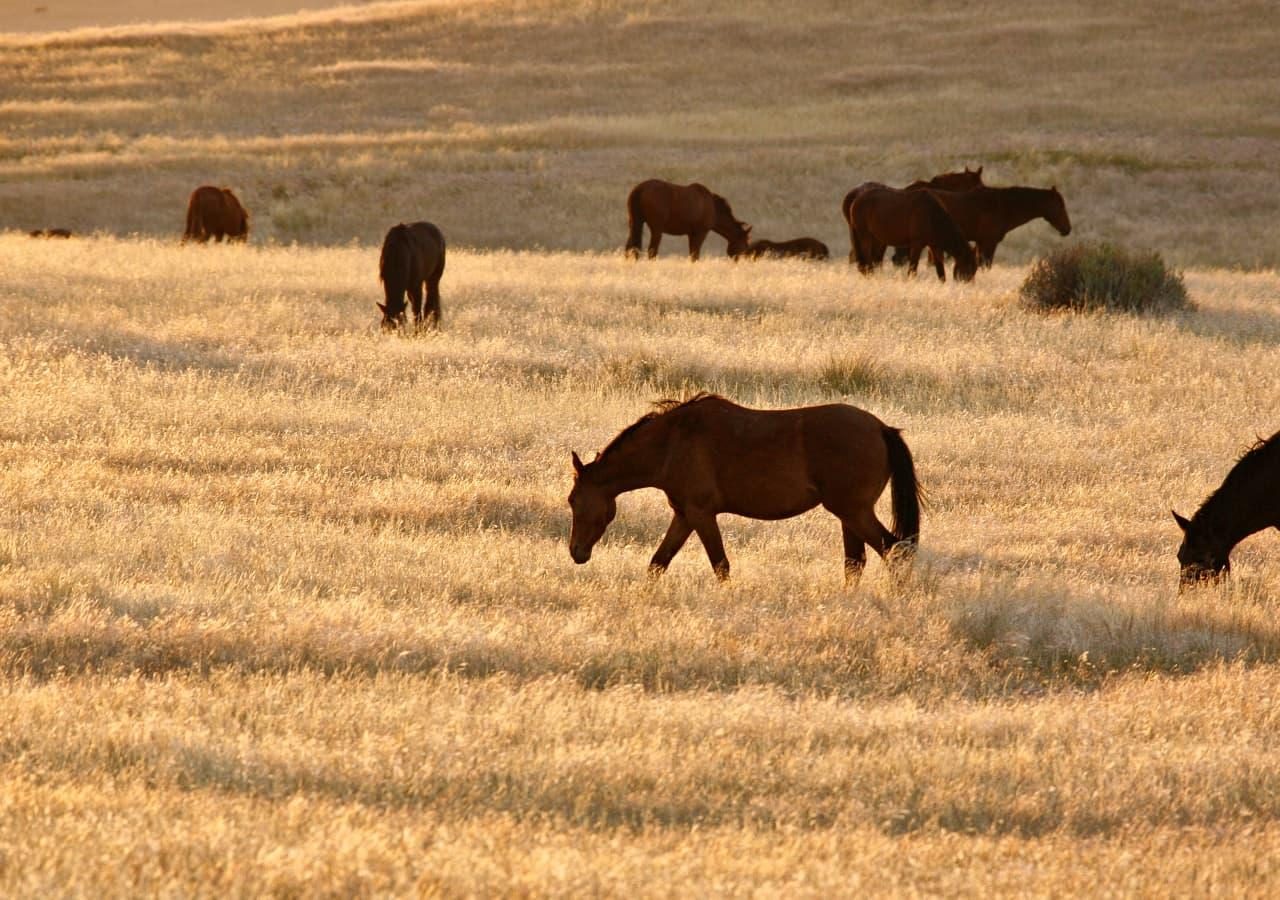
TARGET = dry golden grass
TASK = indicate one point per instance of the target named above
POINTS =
(286, 606)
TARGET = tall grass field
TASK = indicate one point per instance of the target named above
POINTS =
(286, 603)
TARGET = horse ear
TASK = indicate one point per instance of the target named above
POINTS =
(978, 171)
(381, 306)
(577, 463)
(1184, 524)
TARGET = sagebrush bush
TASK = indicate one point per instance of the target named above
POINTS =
(1103, 276)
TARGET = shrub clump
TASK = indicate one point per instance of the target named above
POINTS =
(1102, 276)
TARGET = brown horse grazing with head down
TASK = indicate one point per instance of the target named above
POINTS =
(986, 214)
(802, 248)
(884, 217)
(711, 456)
(690, 209)
(411, 256)
(217, 213)
(1247, 502)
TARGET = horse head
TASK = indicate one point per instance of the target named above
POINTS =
(966, 264)
(1202, 559)
(393, 317)
(1056, 215)
(593, 509)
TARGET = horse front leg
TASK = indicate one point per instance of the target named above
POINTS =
(936, 257)
(695, 244)
(913, 259)
(431, 310)
(655, 238)
(709, 534)
(987, 254)
(415, 301)
(677, 533)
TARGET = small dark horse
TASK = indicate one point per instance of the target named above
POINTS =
(802, 248)
(986, 214)
(885, 217)
(690, 209)
(1247, 502)
(214, 212)
(411, 255)
(711, 456)
(947, 181)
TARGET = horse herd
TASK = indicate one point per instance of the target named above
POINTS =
(712, 456)
(953, 214)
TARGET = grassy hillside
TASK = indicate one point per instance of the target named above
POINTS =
(286, 606)
(522, 123)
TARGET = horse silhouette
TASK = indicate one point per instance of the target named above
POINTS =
(712, 456)
(216, 213)
(690, 209)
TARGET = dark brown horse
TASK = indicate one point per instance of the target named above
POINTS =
(947, 181)
(711, 456)
(411, 256)
(215, 213)
(885, 217)
(690, 209)
(51, 233)
(802, 248)
(1247, 502)
(986, 214)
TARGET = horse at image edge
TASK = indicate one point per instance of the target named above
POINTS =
(1248, 501)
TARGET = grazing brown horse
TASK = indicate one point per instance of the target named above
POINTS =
(690, 209)
(411, 256)
(711, 456)
(947, 181)
(1247, 502)
(885, 217)
(215, 213)
(986, 214)
(51, 233)
(802, 248)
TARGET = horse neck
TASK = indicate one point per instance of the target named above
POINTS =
(635, 463)
(1239, 509)
(1019, 205)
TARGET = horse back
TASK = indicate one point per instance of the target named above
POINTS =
(674, 208)
(773, 464)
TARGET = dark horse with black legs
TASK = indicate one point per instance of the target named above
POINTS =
(1247, 502)
(690, 209)
(947, 181)
(711, 456)
(986, 214)
(411, 256)
(885, 217)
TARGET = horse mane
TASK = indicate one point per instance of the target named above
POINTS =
(723, 205)
(1261, 458)
(660, 409)
(397, 236)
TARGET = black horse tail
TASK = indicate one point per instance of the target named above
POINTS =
(635, 223)
(904, 489)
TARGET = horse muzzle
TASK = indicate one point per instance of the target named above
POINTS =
(580, 555)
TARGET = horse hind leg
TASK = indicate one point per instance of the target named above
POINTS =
(937, 258)
(855, 553)
(655, 238)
